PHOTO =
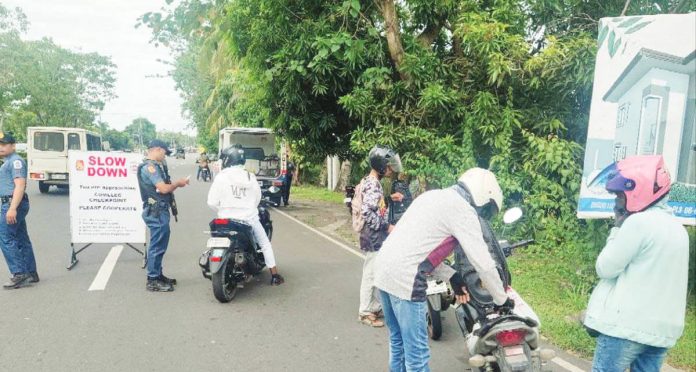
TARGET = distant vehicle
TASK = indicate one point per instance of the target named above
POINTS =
(21, 147)
(47, 153)
(262, 159)
(180, 153)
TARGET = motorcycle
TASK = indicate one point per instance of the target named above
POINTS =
(205, 174)
(439, 297)
(233, 257)
(499, 340)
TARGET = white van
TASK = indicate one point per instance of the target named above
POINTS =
(47, 153)
(262, 158)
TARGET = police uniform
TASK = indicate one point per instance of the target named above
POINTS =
(14, 238)
(155, 214)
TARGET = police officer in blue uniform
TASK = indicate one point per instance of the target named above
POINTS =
(156, 191)
(14, 238)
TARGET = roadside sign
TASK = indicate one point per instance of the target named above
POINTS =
(643, 103)
(105, 204)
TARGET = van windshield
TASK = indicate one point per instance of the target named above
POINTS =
(49, 141)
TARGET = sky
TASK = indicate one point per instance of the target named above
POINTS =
(108, 28)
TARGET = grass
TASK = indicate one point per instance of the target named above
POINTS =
(546, 283)
(308, 192)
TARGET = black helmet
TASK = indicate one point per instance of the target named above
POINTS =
(381, 157)
(232, 155)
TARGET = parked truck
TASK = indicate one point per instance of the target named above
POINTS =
(262, 157)
(47, 153)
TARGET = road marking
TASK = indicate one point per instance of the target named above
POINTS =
(106, 269)
(332, 240)
(560, 362)
(565, 365)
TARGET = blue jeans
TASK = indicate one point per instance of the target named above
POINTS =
(14, 240)
(617, 354)
(408, 334)
(158, 223)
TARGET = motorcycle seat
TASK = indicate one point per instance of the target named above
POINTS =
(243, 230)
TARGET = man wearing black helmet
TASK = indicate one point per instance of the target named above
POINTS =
(236, 194)
(383, 161)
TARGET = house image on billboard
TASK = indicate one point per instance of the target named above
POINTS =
(656, 103)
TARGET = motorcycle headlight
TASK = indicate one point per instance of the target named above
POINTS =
(273, 189)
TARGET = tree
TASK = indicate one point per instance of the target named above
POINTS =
(500, 84)
(118, 140)
(142, 131)
(43, 84)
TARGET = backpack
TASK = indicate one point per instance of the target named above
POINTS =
(356, 208)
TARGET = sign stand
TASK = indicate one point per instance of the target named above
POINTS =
(105, 202)
(74, 253)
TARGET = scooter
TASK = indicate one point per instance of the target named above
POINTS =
(499, 340)
(205, 174)
(233, 257)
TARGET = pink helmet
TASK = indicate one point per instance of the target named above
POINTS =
(643, 178)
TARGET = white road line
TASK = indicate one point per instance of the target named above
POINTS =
(332, 240)
(565, 365)
(106, 269)
(560, 362)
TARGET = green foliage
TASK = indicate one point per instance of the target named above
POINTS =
(683, 193)
(118, 140)
(42, 84)
(142, 131)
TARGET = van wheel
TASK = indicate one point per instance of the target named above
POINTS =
(43, 187)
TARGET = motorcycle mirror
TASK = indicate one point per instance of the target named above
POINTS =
(512, 215)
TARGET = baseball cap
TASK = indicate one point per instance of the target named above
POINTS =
(161, 144)
(7, 137)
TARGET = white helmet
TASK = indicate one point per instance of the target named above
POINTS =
(483, 187)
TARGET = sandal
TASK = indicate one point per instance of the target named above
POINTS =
(380, 314)
(371, 320)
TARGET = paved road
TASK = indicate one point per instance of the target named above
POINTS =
(308, 324)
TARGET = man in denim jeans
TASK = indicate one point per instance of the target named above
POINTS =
(638, 307)
(414, 249)
(14, 238)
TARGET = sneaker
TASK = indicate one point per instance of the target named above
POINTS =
(277, 279)
(34, 277)
(171, 281)
(156, 285)
(17, 281)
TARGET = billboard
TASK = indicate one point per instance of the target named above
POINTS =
(643, 103)
(105, 203)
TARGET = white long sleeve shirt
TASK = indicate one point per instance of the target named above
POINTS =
(235, 193)
(413, 247)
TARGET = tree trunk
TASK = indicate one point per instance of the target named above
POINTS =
(298, 173)
(344, 178)
(324, 175)
(393, 32)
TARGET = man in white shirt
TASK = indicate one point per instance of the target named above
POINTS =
(235, 194)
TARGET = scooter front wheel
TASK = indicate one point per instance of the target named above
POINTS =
(434, 323)
(224, 285)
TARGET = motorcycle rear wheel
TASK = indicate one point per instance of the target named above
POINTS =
(224, 285)
(434, 323)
